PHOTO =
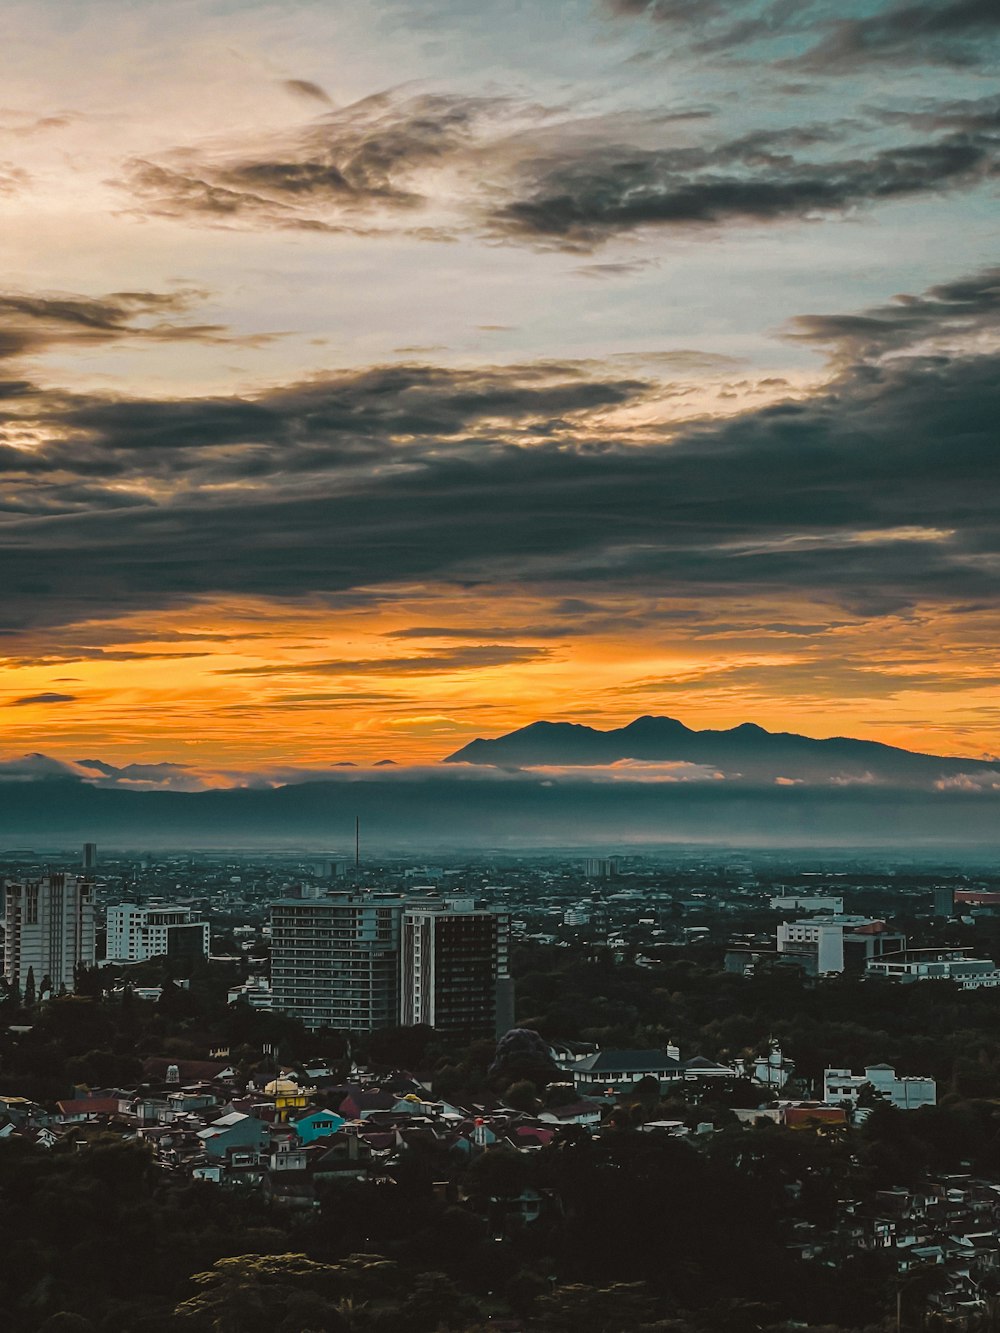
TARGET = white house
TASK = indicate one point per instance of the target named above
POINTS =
(840, 1085)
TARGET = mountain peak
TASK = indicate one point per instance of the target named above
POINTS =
(746, 753)
(653, 722)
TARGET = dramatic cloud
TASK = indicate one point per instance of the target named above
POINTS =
(50, 698)
(533, 175)
(948, 315)
(337, 418)
(30, 324)
(878, 490)
(350, 162)
(959, 32)
(472, 658)
(581, 200)
(947, 32)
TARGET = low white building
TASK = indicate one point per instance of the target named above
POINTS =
(835, 943)
(807, 902)
(969, 973)
(256, 992)
(841, 1085)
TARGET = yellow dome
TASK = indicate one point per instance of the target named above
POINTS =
(281, 1087)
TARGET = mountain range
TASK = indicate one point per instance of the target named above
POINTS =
(553, 784)
(747, 752)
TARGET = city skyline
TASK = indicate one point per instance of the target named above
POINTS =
(387, 375)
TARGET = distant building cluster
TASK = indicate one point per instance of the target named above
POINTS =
(829, 943)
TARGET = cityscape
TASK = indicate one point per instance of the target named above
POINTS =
(499, 684)
(295, 1033)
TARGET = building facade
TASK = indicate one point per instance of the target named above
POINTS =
(839, 943)
(969, 973)
(150, 930)
(49, 931)
(840, 1085)
(335, 960)
(455, 968)
(807, 902)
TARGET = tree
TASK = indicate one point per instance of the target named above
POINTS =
(621, 1307)
(252, 1294)
(400, 1047)
(29, 989)
(522, 1095)
(498, 1173)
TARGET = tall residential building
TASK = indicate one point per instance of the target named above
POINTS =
(89, 861)
(49, 931)
(137, 932)
(335, 960)
(944, 900)
(454, 968)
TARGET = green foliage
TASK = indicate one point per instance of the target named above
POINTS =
(522, 1095)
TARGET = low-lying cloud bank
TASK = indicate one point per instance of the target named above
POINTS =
(401, 810)
(48, 803)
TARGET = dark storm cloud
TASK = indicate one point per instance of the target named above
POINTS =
(971, 114)
(64, 655)
(948, 32)
(342, 420)
(473, 658)
(545, 176)
(481, 632)
(874, 492)
(951, 32)
(28, 699)
(581, 201)
(951, 310)
(30, 324)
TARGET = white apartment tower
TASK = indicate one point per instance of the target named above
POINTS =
(335, 960)
(137, 932)
(49, 931)
(455, 973)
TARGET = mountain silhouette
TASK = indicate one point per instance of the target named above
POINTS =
(747, 751)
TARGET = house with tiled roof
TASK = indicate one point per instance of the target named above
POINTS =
(576, 1113)
(617, 1067)
(77, 1110)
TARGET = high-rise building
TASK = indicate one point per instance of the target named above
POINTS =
(944, 900)
(89, 861)
(600, 867)
(148, 930)
(454, 968)
(335, 960)
(49, 931)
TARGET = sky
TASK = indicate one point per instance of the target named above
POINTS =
(379, 375)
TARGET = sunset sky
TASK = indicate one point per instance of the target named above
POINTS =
(383, 374)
